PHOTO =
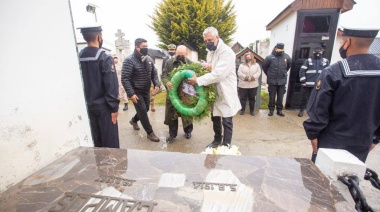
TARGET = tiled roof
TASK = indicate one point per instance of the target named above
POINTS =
(156, 53)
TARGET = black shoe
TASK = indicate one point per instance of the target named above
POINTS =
(125, 107)
(280, 113)
(300, 114)
(270, 113)
(135, 125)
(170, 139)
(153, 137)
(242, 112)
(187, 135)
(252, 113)
(214, 144)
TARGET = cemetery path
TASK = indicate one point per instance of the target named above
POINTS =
(258, 135)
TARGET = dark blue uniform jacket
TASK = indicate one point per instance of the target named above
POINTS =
(344, 107)
(101, 87)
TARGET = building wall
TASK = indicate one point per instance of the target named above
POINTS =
(42, 109)
(284, 32)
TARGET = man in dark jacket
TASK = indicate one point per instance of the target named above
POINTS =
(309, 73)
(276, 66)
(171, 115)
(137, 74)
(100, 88)
(344, 107)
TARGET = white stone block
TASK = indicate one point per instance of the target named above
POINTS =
(338, 162)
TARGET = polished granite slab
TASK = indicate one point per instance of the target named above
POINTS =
(100, 179)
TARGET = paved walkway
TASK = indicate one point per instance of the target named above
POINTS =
(257, 135)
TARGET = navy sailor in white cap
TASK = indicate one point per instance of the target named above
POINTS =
(344, 107)
(100, 88)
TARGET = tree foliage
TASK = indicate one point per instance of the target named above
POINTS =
(177, 21)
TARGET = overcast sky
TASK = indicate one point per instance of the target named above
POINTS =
(131, 16)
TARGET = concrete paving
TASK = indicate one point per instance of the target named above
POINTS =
(258, 135)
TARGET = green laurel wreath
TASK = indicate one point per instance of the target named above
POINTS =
(191, 108)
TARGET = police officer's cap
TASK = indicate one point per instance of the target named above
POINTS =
(318, 49)
(360, 33)
(171, 47)
(280, 46)
(95, 27)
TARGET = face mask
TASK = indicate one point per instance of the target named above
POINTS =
(181, 58)
(171, 53)
(144, 51)
(342, 51)
(210, 46)
(317, 55)
(248, 60)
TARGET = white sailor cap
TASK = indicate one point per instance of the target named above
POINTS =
(360, 32)
(93, 27)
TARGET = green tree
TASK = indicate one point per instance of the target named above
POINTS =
(177, 21)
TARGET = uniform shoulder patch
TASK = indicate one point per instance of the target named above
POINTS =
(318, 85)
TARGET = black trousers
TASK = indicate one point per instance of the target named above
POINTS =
(305, 96)
(104, 132)
(217, 122)
(173, 129)
(279, 91)
(250, 94)
(142, 108)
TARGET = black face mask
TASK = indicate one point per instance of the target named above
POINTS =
(144, 51)
(317, 55)
(171, 53)
(248, 60)
(181, 58)
(342, 51)
(210, 46)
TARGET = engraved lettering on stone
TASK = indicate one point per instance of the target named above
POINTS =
(115, 180)
(72, 201)
(210, 186)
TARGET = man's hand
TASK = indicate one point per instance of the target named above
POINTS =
(114, 117)
(169, 85)
(303, 85)
(249, 79)
(134, 98)
(156, 90)
(372, 147)
(192, 80)
(314, 145)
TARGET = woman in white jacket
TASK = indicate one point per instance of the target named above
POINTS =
(249, 72)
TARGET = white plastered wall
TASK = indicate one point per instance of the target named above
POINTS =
(284, 32)
(42, 106)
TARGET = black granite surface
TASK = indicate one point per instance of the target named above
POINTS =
(100, 179)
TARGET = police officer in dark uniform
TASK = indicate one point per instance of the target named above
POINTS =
(309, 74)
(276, 67)
(344, 107)
(100, 88)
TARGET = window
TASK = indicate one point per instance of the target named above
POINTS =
(316, 24)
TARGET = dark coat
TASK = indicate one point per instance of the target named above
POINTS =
(276, 68)
(170, 112)
(136, 75)
(100, 83)
(344, 106)
(311, 69)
